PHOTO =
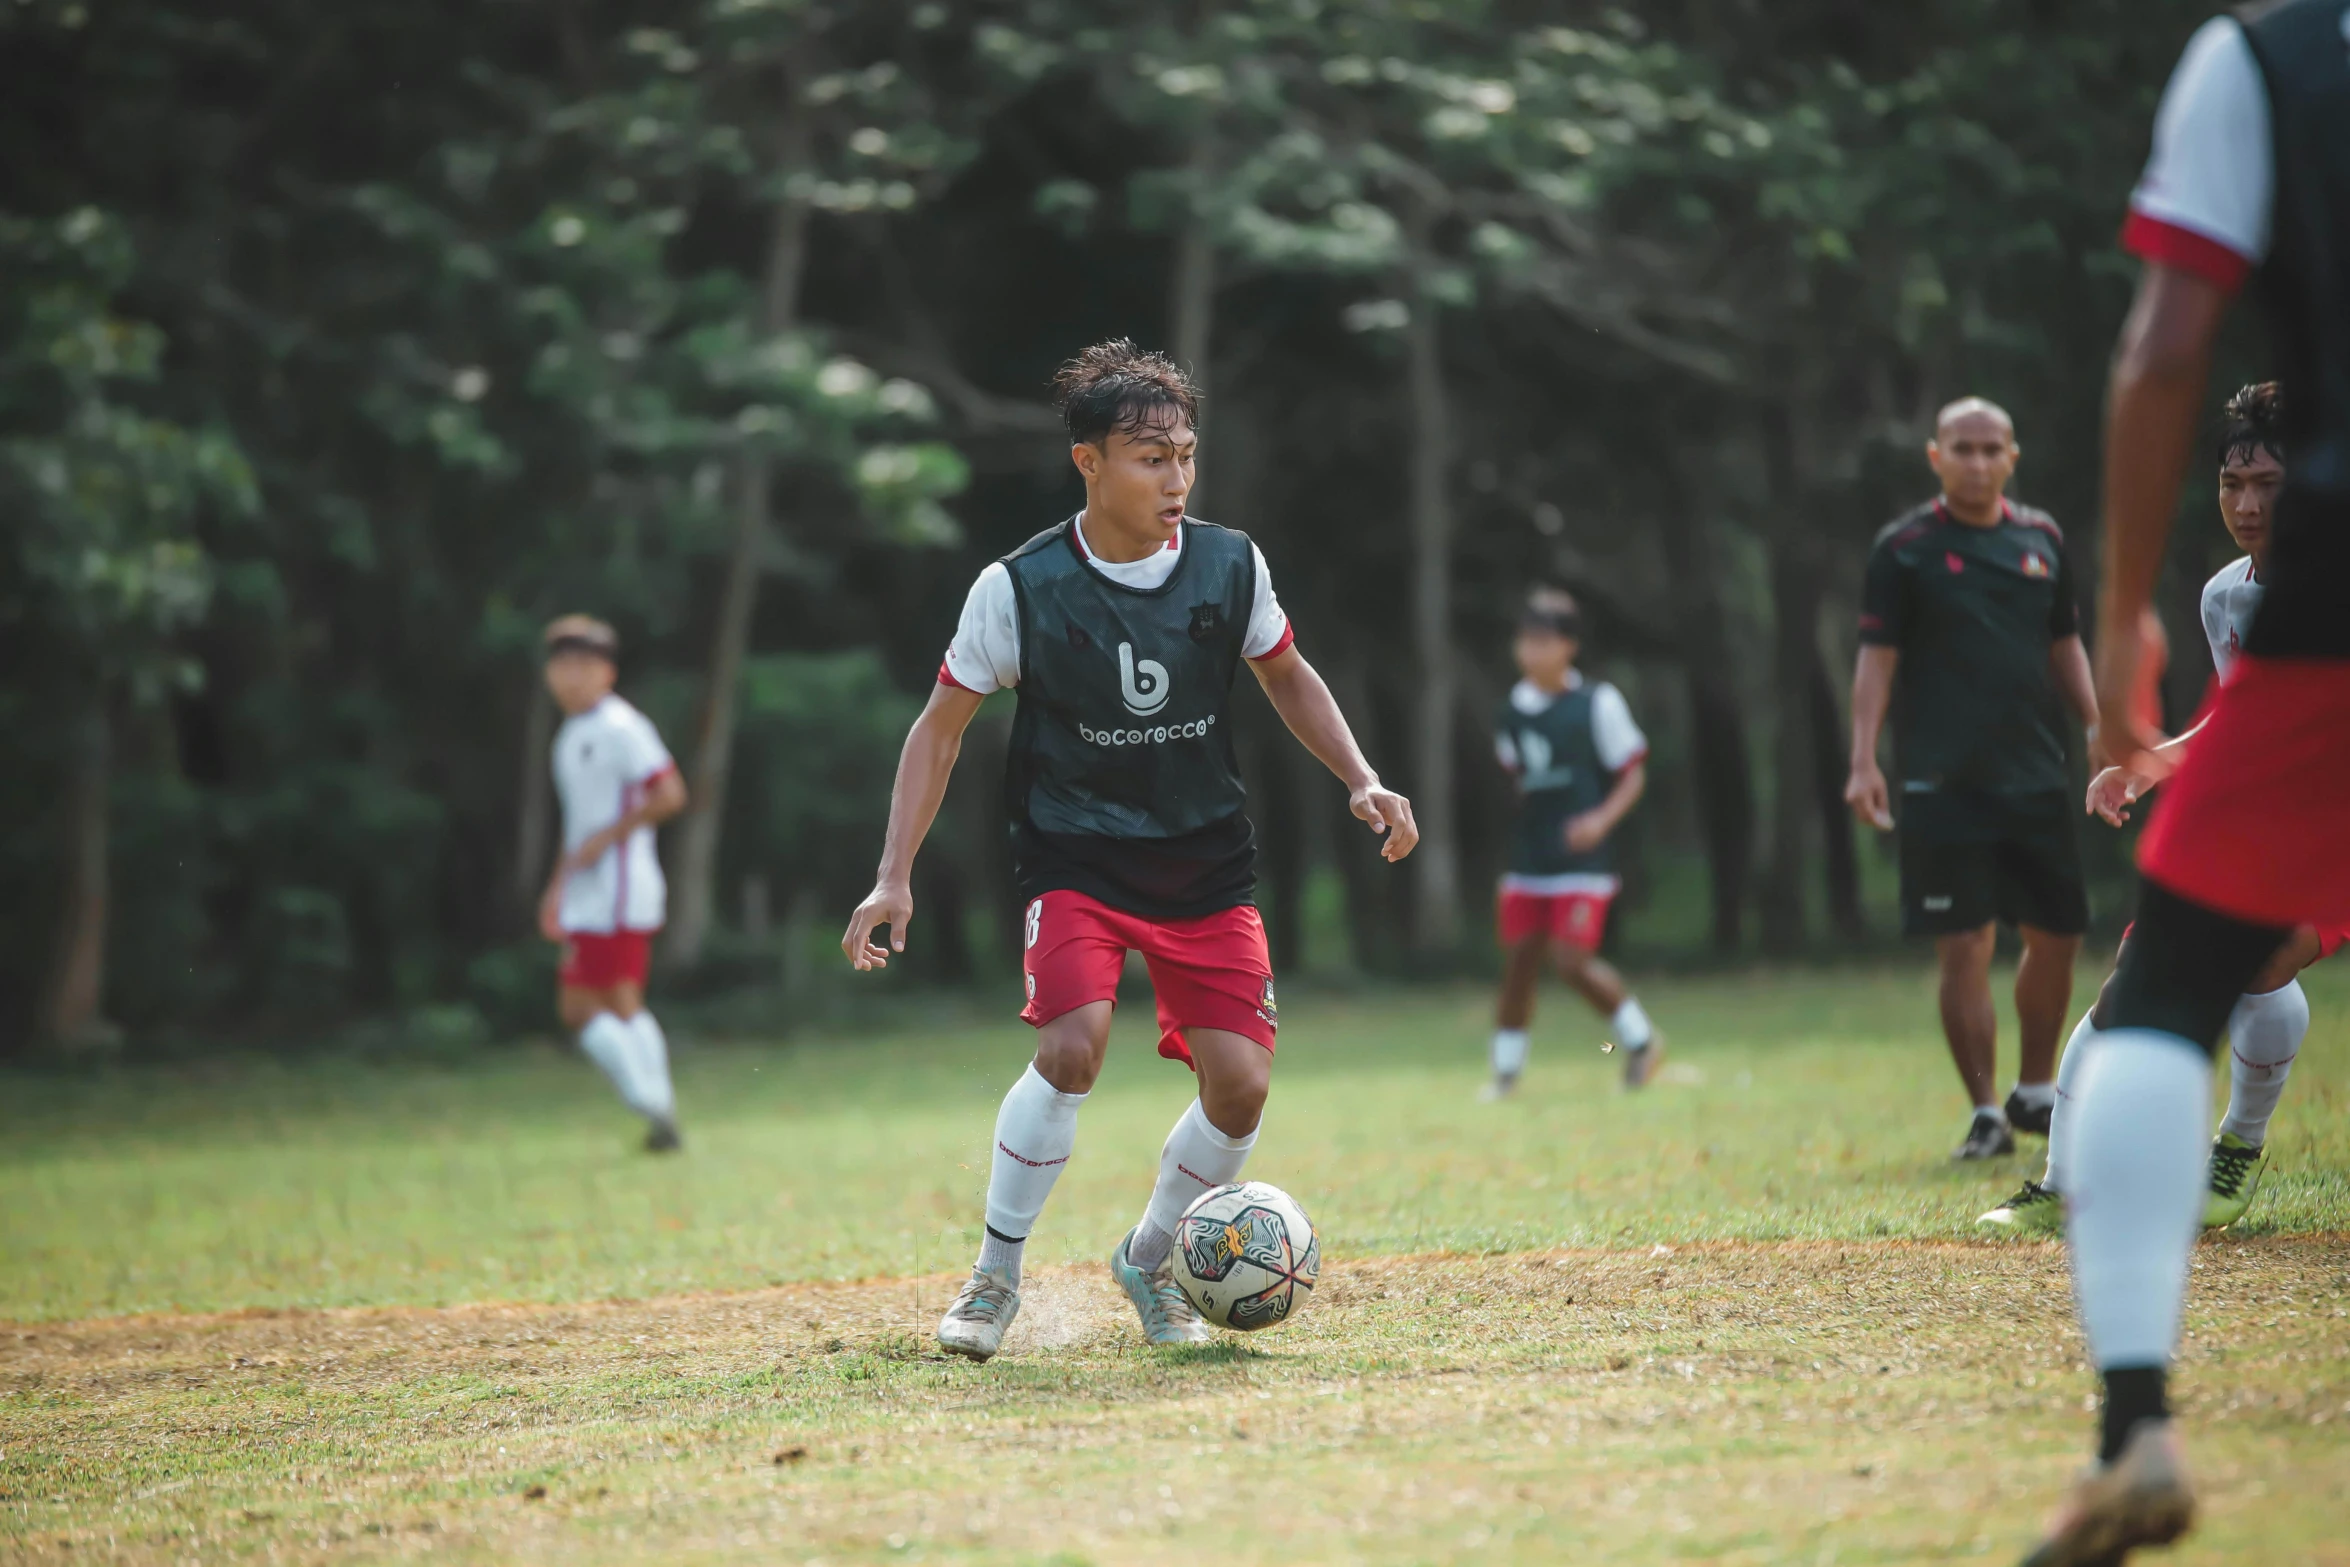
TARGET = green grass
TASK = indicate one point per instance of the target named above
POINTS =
(1803, 1106)
(1741, 1318)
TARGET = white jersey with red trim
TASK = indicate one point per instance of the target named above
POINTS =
(985, 655)
(2230, 599)
(2205, 203)
(606, 760)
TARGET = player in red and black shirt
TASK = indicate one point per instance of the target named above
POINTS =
(2250, 837)
(1970, 633)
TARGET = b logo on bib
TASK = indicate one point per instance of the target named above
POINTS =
(1142, 685)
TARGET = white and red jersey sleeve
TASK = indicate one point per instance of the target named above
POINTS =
(2205, 202)
(607, 760)
(1617, 737)
(985, 655)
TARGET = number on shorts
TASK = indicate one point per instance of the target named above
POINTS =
(1035, 913)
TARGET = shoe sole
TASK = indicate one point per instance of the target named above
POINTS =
(2004, 1222)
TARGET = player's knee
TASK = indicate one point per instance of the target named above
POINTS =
(1235, 1102)
(577, 1008)
(1067, 1058)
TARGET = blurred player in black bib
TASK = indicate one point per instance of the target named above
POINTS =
(1580, 765)
(2250, 837)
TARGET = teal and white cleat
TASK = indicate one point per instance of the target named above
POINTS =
(2236, 1166)
(2036, 1210)
(975, 1324)
(1167, 1317)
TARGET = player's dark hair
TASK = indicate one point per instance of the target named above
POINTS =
(1117, 386)
(1553, 610)
(580, 634)
(2255, 423)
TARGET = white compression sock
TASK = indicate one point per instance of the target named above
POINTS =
(612, 1045)
(2264, 1035)
(1509, 1052)
(2135, 1198)
(652, 1065)
(1196, 1158)
(1035, 1132)
(2035, 1096)
(2077, 1051)
(1633, 1030)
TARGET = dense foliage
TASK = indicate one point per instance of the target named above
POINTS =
(340, 348)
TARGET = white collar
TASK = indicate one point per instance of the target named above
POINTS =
(1529, 698)
(1085, 548)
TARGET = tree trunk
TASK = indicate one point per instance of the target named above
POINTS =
(534, 799)
(72, 1013)
(1436, 912)
(697, 848)
(1842, 866)
(1725, 789)
(1795, 603)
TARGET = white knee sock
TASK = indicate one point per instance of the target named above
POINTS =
(652, 1065)
(1035, 1132)
(2077, 1051)
(1509, 1052)
(1633, 1030)
(612, 1045)
(2264, 1035)
(1196, 1158)
(2135, 1195)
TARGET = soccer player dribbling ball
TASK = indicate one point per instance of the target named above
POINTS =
(2251, 840)
(606, 899)
(1122, 629)
(1970, 634)
(1579, 763)
(2270, 1020)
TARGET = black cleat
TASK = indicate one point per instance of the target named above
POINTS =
(2024, 1117)
(1988, 1138)
(661, 1137)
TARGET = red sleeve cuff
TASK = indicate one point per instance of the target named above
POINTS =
(1288, 636)
(2184, 250)
(1634, 760)
(657, 774)
(946, 677)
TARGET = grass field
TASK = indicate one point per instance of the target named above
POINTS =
(332, 1311)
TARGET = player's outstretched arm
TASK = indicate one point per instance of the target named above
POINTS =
(2151, 408)
(1872, 693)
(924, 766)
(1305, 704)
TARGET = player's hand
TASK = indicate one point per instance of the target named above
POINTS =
(2113, 791)
(591, 849)
(1865, 793)
(551, 910)
(884, 905)
(1389, 813)
(1586, 832)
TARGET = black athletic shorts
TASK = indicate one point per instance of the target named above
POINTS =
(1969, 858)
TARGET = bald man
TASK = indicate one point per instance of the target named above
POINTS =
(1970, 634)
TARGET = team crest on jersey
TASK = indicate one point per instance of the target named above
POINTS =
(1206, 621)
(2035, 564)
(1265, 1007)
(1951, 559)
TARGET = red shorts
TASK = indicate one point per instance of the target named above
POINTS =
(594, 960)
(1210, 972)
(2253, 824)
(1573, 919)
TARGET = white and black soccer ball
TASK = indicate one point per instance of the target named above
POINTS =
(1246, 1256)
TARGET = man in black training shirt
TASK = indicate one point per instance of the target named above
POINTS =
(1122, 629)
(1969, 629)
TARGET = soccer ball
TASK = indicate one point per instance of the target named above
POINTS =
(1246, 1256)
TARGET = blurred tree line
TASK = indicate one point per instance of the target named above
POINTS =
(340, 348)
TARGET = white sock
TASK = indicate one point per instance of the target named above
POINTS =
(2135, 1195)
(612, 1045)
(1633, 1030)
(2077, 1051)
(652, 1065)
(1035, 1132)
(2036, 1096)
(2264, 1035)
(1509, 1052)
(1197, 1158)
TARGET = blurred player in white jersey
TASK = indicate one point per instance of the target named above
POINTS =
(606, 898)
(2267, 1026)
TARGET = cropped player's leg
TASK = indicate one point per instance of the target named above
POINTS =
(1970, 1025)
(1521, 976)
(2264, 1035)
(2043, 995)
(606, 1037)
(1597, 982)
(649, 1051)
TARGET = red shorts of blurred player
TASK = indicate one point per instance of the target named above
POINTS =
(1209, 972)
(1571, 919)
(600, 960)
(2253, 825)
